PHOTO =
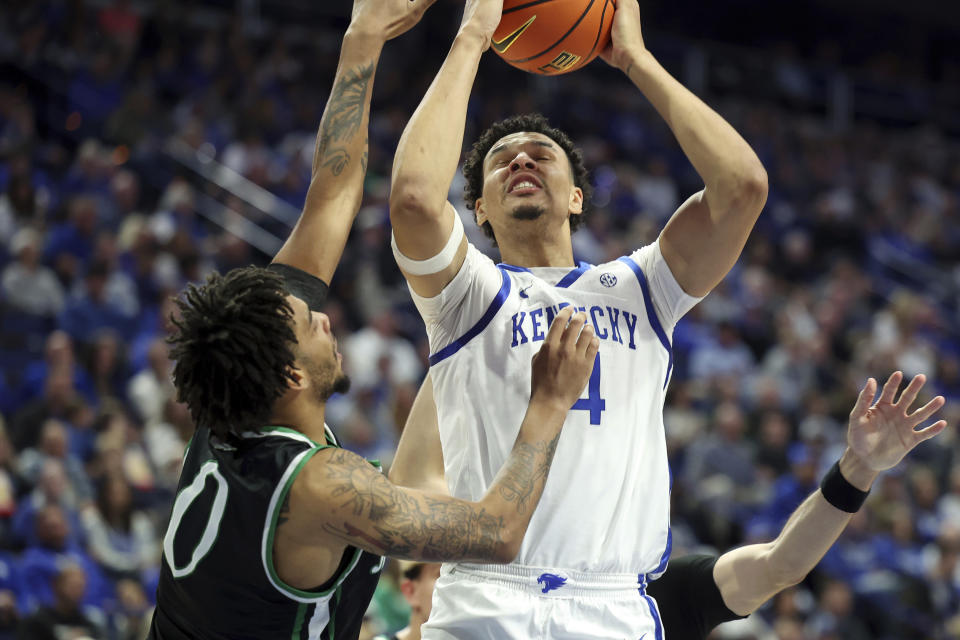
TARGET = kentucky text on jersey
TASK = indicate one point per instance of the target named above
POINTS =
(609, 323)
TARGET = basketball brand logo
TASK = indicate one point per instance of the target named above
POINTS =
(551, 581)
(501, 46)
(608, 279)
(561, 63)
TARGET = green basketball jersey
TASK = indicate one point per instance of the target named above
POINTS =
(217, 576)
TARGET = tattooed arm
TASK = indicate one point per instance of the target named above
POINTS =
(340, 155)
(344, 497)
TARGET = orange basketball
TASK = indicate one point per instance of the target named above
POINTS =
(552, 36)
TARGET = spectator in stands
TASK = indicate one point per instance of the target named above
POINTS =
(417, 588)
(120, 448)
(54, 445)
(720, 471)
(29, 286)
(149, 390)
(107, 366)
(120, 538)
(58, 356)
(121, 290)
(89, 311)
(725, 355)
(70, 244)
(43, 559)
(12, 487)
(836, 615)
(789, 490)
(52, 489)
(23, 202)
(130, 619)
(63, 617)
(10, 595)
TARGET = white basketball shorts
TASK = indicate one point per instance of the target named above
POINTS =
(473, 602)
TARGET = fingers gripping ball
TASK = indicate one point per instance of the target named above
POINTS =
(552, 36)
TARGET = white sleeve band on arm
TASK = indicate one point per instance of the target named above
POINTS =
(437, 263)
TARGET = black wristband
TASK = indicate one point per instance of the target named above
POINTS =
(840, 493)
(301, 284)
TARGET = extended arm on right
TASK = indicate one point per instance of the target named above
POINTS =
(878, 438)
(749, 576)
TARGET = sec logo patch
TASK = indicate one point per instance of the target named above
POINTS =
(608, 279)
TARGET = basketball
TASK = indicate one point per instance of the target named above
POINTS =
(550, 37)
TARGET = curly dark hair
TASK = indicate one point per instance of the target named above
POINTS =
(534, 123)
(234, 349)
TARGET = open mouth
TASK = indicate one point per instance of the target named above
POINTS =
(523, 185)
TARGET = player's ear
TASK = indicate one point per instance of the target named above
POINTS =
(480, 211)
(297, 381)
(575, 205)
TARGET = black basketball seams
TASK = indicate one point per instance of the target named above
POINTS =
(524, 6)
(561, 38)
(603, 14)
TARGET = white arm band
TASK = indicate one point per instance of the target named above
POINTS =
(437, 263)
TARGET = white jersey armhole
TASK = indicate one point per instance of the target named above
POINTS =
(670, 301)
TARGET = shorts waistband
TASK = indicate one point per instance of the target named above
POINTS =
(550, 581)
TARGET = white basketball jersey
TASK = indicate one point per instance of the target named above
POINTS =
(606, 504)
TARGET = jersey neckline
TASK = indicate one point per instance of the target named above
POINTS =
(571, 276)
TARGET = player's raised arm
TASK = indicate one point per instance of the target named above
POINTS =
(427, 158)
(705, 236)
(878, 438)
(342, 496)
(418, 462)
(340, 155)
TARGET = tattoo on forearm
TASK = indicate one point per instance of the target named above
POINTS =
(429, 528)
(527, 466)
(342, 118)
(337, 159)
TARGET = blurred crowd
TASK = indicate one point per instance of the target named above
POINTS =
(852, 271)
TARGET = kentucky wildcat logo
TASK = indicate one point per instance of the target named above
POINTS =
(551, 581)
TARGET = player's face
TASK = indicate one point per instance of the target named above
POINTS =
(527, 176)
(317, 356)
(420, 594)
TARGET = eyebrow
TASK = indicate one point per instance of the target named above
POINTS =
(497, 149)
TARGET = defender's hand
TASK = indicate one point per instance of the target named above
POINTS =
(480, 18)
(562, 366)
(626, 37)
(882, 434)
(387, 18)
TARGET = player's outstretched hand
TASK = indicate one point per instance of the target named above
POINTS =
(562, 366)
(481, 17)
(626, 37)
(882, 434)
(387, 18)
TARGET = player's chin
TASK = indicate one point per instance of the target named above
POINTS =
(341, 384)
(529, 211)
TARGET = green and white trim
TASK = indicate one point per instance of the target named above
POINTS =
(317, 617)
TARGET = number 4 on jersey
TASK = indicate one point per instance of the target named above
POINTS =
(593, 402)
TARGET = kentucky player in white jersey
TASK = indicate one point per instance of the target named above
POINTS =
(602, 529)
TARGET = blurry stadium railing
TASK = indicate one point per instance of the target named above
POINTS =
(206, 167)
(208, 175)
